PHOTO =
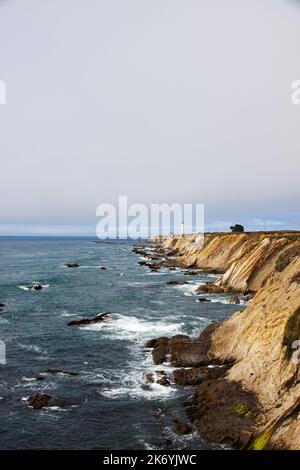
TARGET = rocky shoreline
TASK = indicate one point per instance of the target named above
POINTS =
(244, 370)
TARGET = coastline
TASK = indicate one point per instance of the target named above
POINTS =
(247, 385)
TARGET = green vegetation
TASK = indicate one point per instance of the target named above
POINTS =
(242, 409)
(292, 331)
(261, 441)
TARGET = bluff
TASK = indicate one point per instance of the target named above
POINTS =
(252, 399)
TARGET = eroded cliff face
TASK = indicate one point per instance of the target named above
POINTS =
(260, 343)
(246, 260)
(252, 399)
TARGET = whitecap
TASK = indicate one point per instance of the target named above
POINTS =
(30, 347)
(132, 328)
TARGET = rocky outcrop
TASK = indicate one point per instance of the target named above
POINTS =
(88, 321)
(58, 372)
(43, 400)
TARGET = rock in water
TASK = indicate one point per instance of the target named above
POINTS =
(88, 321)
(59, 372)
(181, 428)
(37, 287)
(234, 299)
(203, 299)
(72, 265)
(42, 400)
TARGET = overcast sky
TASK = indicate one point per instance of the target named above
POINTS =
(183, 101)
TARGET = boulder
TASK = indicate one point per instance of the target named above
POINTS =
(88, 321)
(162, 378)
(149, 379)
(209, 289)
(181, 428)
(197, 375)
(42, 400)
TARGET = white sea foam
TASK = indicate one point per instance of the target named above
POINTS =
(30, 347)
(133, 328)
(187, 289)
(222, 299)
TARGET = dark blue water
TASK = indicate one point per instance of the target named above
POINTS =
(113, 407)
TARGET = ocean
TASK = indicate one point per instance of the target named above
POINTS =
(112, 405)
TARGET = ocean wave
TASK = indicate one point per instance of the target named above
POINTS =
(35, 349)
(140, 391)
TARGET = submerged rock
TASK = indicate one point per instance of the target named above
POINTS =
(192, 273)
(88, 321)
(203, 299)
(177, 283)
(162, 378)
(181, 428)
(72, 265)
(234, 299)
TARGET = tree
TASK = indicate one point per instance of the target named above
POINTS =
(237, 228)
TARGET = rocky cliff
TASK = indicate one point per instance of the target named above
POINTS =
(250, 398)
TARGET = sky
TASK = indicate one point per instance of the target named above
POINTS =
(164, 101)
